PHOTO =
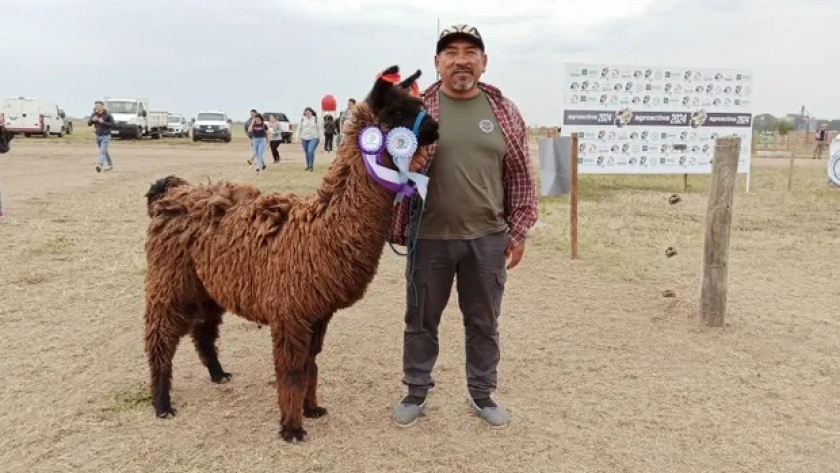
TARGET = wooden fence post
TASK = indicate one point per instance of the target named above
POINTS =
(573, 198)
(718, 228)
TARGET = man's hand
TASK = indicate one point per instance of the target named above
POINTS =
(514, 254)
(419, 161)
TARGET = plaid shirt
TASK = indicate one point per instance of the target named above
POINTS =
(517, 174)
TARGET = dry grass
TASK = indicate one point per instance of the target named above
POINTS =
(600, 372)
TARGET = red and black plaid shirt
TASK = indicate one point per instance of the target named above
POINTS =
(517, 174)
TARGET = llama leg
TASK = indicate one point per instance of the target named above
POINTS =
(204, 334)
(164, 329)
(291, 359)
(310, 404)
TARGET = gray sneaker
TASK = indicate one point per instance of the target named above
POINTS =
(493, 415)
(408, 411)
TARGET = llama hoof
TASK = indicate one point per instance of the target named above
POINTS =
(166, 412)
(314, 412)
(222, 378)
(292, 434)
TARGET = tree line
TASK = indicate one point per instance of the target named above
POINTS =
(769, 122)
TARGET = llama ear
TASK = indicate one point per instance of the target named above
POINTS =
(383, 87)
(410, 80)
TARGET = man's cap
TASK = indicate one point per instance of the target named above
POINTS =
(463, 31)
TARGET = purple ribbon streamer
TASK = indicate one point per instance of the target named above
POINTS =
(396, 187)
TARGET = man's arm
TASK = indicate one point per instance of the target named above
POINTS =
(520, 182)
(109, 121)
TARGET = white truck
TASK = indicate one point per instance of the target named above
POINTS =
(133, 119)
(211, 125)
(33, 116)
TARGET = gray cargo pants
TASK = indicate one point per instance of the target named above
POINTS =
(480, 267)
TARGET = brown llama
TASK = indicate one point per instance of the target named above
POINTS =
(285, 261)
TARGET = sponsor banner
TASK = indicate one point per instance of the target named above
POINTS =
(638, 119)
(628, 117)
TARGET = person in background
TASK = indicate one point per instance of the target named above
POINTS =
(5, 145)
(5, 139)
(259, 136)
(276, 136)
(329, 132)
(342, 117)
(820, 140)
(250, 137)
(310, 135)
(103, 123)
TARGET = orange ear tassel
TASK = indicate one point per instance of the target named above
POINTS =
(392, 78)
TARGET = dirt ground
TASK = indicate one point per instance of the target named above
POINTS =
(600, 372)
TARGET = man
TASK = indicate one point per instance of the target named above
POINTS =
(342, 117)
(821, 140)
(104, 123)
(480, 205)
(5, 139)
(5, 145)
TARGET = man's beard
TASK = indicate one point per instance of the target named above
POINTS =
(463, 84)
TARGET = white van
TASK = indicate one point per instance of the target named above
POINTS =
(32, 116)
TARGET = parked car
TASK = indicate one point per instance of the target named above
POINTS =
(285, 124)
(211, 125)
(177, 126)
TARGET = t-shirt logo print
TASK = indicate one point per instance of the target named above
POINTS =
(486, 126)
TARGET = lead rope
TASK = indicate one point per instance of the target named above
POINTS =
(412, 237)
(412, 234)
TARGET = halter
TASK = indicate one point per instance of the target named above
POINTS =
(401, 144)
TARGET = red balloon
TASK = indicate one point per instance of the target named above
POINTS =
(328, 103)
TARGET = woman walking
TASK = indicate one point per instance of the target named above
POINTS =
(310, 135)
(259, 135)
(276, 137)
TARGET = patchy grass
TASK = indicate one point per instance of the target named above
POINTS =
(131, 398)
(31, 279)
(53, 246)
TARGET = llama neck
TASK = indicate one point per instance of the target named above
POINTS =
(354, 205)
(351, 218)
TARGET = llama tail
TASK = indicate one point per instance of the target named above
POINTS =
(158, 189)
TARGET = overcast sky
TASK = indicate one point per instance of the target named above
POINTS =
(286, 54)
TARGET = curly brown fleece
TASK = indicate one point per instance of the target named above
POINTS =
(281, 260)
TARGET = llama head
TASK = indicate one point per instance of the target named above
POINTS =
(394, 106)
